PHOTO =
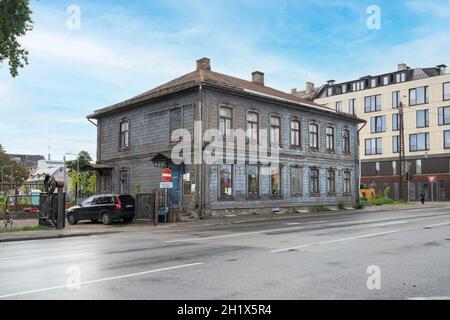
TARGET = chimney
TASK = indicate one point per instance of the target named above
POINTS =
(402, 67)
(258, 77)
(331, 82)
(309, 88)
(294, 91)
(442, 68)
(204, 64)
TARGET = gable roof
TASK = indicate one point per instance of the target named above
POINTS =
(205, 76)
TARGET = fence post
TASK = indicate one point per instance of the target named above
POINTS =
(155, 207)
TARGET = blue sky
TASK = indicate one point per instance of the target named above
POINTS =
(126, 47)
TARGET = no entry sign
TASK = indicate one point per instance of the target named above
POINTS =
(166, 175)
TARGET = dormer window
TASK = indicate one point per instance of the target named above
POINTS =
(330, 91)
(400, 77)
(344, 88)
(386, 80)
(373, 82)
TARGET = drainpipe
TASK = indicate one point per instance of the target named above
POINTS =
(359, 162)
(200, 172)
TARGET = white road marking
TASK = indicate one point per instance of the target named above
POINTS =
(293, 223)
(388, 224)
(233, 235)
(336, 240)
(429, 298)
(101, 280)
(431, 226)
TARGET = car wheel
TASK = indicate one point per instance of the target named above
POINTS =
(71, 219)
(127, 220)
(106, 218)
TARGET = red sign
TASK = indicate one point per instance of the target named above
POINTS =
(166, 175)
(432, 179)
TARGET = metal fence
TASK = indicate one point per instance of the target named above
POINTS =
(145, 203)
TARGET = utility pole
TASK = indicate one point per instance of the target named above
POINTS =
(401, 156)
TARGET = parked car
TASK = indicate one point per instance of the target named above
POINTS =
(104, 208)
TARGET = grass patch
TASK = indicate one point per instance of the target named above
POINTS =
(26, 228)
(382, 201)
(319, 209)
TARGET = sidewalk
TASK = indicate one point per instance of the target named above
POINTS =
(91, 229)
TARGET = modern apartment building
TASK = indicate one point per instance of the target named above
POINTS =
(425, 95)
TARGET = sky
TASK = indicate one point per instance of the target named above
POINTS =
(122, 48)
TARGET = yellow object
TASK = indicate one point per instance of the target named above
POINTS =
(367, 194)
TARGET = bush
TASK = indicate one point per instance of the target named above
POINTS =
(319, 209)
(2, 205)
(341, 206)
(360, 205)
(381, 201)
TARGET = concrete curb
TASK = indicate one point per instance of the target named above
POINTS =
(55, 236)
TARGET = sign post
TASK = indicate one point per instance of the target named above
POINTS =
(166, 184)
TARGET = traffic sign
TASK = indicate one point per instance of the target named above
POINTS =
(165, 185)
(166, 175)
(432, 179)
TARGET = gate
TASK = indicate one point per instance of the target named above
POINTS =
(148, 203)
(145, 206)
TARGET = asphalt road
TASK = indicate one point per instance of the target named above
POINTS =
(326, 257)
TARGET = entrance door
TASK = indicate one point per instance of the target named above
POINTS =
(175, 192)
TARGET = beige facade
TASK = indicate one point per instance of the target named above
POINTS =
(435, 85)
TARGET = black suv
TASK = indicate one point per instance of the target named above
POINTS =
(107, 208)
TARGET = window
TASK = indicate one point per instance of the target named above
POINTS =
(422, 118)
(331, 182)
(396, 99)
(400, 77)
(446, 90)
(444, 115)
(314, 182)
(373, 146)
(395, 144)
(314, 136)
(419, 142)
(344, 88)
(418, 96)
(124, 141)
(253, 126)
(295, 133)
(275, 180)
(226, 181)
(123, 181)
(447, 139)
(418, 166)
(330, 139)
(330, 91)
(347, 182)
(394, 167)
(373, 82)
(175, 123)
(225, 121)
(296, 181)
(372, 103)
(351, 106)
(275, 137)
(378, 124)
(395, 122)
(339, 106)
(386, 80)
(252, 180)
(346, 140)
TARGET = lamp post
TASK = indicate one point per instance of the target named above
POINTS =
(78, 172)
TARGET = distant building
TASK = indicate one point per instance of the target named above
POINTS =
(28, 160)
(51, 168)
(425, 95)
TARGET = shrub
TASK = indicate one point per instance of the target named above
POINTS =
(341, 206)
(360, 205)
(381, 201)
(319, 209)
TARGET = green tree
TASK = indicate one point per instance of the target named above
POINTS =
(84, 179)
(19, 171)
(15, 21)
